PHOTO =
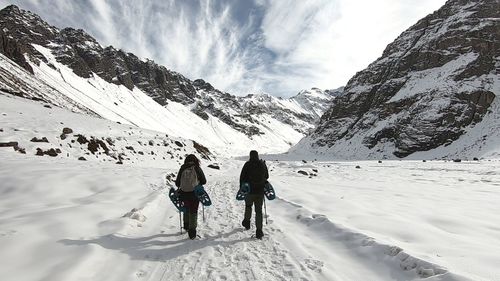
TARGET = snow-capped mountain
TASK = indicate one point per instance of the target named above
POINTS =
(434, 89)
(68, 68)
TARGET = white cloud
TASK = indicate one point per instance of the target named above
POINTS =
(327, 42)
(277, 46)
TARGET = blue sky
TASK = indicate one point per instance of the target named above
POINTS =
(245, 46)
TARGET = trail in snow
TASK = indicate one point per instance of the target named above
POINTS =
(225, 250)
(298, 246)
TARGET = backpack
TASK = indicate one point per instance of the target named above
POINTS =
(189, 179)
(256, 172)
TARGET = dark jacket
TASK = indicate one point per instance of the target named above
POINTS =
(201, 180)
(255, 173)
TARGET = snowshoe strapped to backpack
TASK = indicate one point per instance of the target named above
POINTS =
(202, 195)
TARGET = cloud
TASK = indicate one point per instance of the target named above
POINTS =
(274, 46)
(326, 42)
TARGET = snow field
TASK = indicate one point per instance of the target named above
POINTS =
(64, 219)
(80, 220)
(443, 213)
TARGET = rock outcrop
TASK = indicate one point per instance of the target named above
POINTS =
(436, 80)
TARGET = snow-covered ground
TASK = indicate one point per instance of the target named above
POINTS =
(65, 219)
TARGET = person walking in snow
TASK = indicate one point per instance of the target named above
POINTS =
(255, 174)
(190, 175)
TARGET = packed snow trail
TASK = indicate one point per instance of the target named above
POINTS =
(225, 250)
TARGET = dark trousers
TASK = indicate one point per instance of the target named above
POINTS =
(190, 216)
(258, 201)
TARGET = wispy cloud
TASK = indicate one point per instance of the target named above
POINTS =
(275, 46)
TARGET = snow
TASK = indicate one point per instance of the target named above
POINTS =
(108, 217)
(436, 79)
(64, 219)
(14, 78)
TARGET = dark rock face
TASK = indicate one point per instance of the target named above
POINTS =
(85, 56)
(430, 84)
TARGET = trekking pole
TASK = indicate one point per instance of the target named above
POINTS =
(203, 209)
(265, 209)
(180, 221)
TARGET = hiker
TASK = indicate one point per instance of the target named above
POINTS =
(190, 175)
(254, 173)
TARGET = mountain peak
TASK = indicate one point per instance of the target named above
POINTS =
(19, 14)
(11, 9)
(202, 84)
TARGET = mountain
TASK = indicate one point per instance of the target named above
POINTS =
(69, 68)
(432, 93)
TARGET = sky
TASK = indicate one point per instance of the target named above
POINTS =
(245, 46)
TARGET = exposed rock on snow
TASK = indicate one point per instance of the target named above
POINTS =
(67, 131)
(50, 152)
(214, 166)
(43, 139)
(303, 172)
(98, 139)
(9, 144)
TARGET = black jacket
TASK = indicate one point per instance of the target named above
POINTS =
(255, 173)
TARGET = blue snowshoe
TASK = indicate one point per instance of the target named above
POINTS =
(243, 191)
(176, 200)
(269, 191)
(202, 195)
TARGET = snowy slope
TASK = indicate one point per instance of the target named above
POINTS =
(17, 81)
(33, 126)
(63, 87)
(120, 87)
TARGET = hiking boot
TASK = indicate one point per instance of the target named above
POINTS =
(259, 234)
(192, 234)
(246, 224)
(185, 227)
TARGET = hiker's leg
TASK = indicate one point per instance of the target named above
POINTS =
(248, 207)
(193, 214)
(259, 200)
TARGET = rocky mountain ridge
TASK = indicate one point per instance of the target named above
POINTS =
(33, 44)
(435, 82)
